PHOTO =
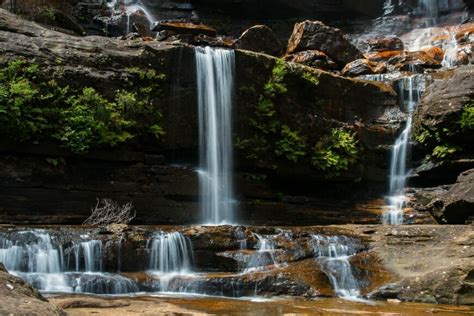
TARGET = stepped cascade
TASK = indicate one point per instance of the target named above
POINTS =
(215, 81)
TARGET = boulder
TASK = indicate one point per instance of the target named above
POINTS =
(313, 58)
(443, 102)
(309, 35)
(20, 298)
(385, 44)
(361, 67)
(184, 28)
(457, 205)
(260, 39)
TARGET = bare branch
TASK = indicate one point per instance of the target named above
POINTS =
(107, 212)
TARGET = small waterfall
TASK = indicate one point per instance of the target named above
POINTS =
(450, 51)
(263, 257)
(215, 83)
(334, 253)
(171, 255)
(410, 91)
(429, 8)
(38, 258)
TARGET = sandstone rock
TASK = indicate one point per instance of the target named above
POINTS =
(457, 205)
(313, 58)
(310, 35)
(444, 100)
(260, 39)
(19, 298)
(385, 44)
(184, 28)
(361, 67)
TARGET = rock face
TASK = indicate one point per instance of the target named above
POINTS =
(313, 58)
(457, 205)
(444, 100)
(22, 299)
(260, 39)
(310, 35)
(147, 175)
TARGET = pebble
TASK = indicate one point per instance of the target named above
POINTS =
(10, 286)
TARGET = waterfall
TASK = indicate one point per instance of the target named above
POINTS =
(170, 253)
(410, 90)
(215, 83)
(263, 257)
(333, 253)
(38, 258)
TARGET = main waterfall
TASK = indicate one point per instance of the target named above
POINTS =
(215, 83)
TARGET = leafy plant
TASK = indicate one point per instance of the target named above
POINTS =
(335, 152)
(291, 145)
(467, 117)
(441, 152)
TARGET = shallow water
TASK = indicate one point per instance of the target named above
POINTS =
(201, 305)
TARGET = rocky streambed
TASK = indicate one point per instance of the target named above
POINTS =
(429, 264)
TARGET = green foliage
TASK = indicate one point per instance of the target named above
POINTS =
(467, 117)
(33, 109)
(311, 78)
(335, 152)
(291, 145)
(441, 152)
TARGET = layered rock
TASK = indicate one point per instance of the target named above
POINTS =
(316, 35)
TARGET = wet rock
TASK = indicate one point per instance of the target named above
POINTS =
(385, 44)
(457, 205)
(361, 67)
(217, 41)
(444, 100)
(19, 298)
(143, 31)
(260, 39)
(313, 58)
(314, 35)
(184, 28)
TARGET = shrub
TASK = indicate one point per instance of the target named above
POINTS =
(291, 145)
(467, 117)
(335, 152)
(107, 212)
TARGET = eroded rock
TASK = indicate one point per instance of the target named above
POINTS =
(361, 67)
(260, 39)
(315, 35)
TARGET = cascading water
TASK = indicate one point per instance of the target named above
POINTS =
(50, 267)
(334, 253)
(263, 257)
(215, 83)
(171, 255)
(410, 91)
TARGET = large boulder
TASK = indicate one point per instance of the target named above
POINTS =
(457, 205)
(260, 39)
(385, 44)
(310, 35)
(444, 100)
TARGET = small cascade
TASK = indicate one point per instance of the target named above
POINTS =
(410, 91)
(171, 255)
(450, 51)
(263, 257)
(41, 260)
(429, 9)
(215, 82)
(334, 253)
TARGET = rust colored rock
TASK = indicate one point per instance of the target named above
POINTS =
(383, 56)
(422, 59)
(457, 205)
(310, 35)
(185, 28)
(361, 67)
(260, 39)
(313, 58)
(435, 53)
(385, 44)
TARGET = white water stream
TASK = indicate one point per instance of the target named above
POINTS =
(215, 83)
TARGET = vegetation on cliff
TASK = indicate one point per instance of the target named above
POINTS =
(275, 137)
(36, 109)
